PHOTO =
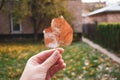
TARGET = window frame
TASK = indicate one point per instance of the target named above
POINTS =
(12, 27)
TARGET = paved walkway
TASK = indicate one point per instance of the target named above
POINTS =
(111, 55)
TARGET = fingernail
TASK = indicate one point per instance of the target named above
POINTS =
(56, 53)
(61, 50)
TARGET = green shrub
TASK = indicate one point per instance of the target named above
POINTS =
(109, 35)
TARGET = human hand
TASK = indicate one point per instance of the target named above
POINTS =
(44, 65)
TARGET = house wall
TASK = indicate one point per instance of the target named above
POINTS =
(103, 17)
(99, 18)
(75, 7)
(4, 23)
(113, 17)
(27, 27)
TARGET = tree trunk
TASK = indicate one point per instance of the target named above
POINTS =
(35, 27)
(34, 20)
(35, 34)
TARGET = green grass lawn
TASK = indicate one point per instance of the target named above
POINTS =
(83, 62)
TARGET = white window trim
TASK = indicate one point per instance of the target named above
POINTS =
(12, 31)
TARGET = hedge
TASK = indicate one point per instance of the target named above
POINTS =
(109, 35)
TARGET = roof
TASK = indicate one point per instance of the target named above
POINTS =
(111, 8)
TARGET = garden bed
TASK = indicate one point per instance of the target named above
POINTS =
(83, 62)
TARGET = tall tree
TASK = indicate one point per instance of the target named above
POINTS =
(42, 11)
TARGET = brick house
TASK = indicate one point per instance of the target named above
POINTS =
(107, 14)
(7, 27)
(10, 31)
(25, 29)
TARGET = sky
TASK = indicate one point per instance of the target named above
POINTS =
(107, 1)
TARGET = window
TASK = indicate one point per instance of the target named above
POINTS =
(15, 27)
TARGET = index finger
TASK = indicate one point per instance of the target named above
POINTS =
(42, 56)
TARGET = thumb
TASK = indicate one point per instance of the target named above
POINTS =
(51, 60)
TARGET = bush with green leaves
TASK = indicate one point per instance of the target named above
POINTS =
(109, 35)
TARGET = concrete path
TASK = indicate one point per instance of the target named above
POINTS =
(111, 55)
